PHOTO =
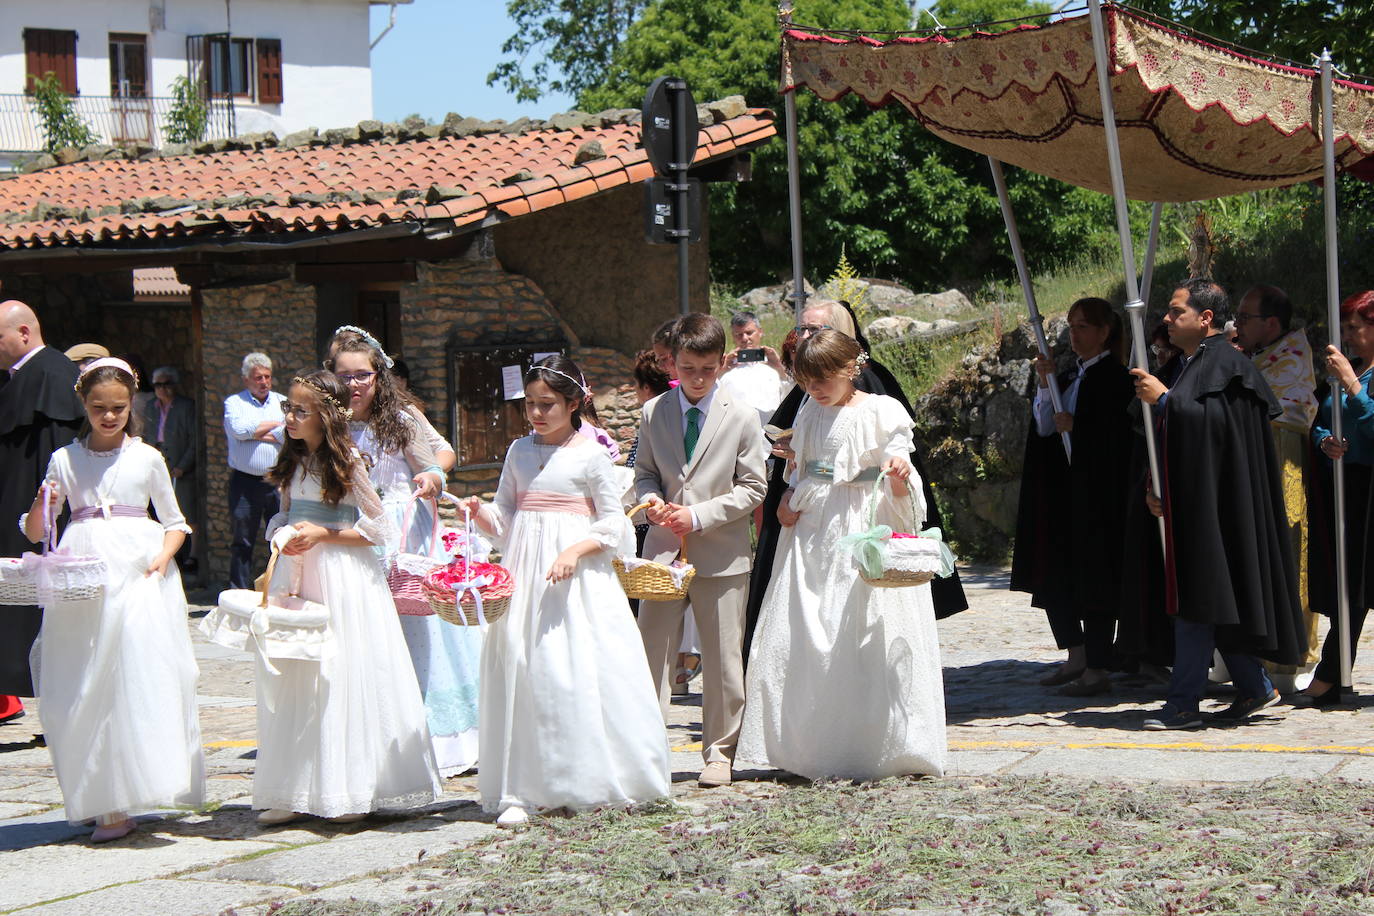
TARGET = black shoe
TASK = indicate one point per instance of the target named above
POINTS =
(1245, 707)
(12, 717)
(1170, 719)
(1332, 697)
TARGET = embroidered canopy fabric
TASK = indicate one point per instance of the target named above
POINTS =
(1195, 120)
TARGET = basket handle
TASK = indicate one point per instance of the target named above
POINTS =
(873, 500)
(267, 576)
(682, 551)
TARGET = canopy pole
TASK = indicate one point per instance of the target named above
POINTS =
(1147, 272)
(1037, 321)
(1333, 318)
(1135, 307)
(798, 296)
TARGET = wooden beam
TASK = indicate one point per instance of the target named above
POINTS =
(357, 272)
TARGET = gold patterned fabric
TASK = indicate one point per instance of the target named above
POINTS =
(1195, 121)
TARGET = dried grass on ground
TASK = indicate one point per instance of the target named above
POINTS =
(983, 846)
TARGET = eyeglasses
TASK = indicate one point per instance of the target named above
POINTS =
(806, 330)
(361, 378)
(1241, 318)
(295, 410)
(164, 384)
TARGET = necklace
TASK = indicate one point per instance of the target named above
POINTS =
(552, 449)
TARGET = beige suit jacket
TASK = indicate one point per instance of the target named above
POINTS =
(722, 483)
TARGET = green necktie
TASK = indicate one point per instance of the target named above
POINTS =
(689, 441)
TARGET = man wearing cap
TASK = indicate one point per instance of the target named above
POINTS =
(83, 353)
(39, 413)
(254, 424)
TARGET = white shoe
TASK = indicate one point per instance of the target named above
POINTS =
(272, 817)
(349, 818)
(514, 816)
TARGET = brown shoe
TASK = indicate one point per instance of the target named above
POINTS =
(1085, 688)
(716, 773)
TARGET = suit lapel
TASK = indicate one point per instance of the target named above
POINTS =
(670, 420)
(708, 432)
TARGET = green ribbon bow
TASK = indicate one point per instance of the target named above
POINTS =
(946, 555)
(867, 547)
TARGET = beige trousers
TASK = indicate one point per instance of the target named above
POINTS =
(718, 603)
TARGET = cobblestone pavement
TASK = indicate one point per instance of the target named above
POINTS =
(1000, 722)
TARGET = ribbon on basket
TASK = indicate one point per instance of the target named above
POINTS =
(473, 587)
(867, 547)
(946, 555)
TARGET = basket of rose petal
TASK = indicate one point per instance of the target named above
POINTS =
(467, 593)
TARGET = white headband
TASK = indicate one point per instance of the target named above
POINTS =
(368, 339)
(580, 383)
(111, 362)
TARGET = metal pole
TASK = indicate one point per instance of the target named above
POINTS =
(1037, 321)
(794, 204)
(1135, 307)
(1333, 317)
(684, 291)
(1147, 272)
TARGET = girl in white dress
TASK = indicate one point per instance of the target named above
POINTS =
(118, 676)
(344, 736)
(844, 679)
(446, 658)
(570, 716)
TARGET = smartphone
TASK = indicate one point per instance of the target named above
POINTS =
(753, 355)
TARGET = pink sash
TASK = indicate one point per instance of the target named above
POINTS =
(86, 513)
(549, 501)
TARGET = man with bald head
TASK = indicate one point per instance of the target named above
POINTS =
(39, 413)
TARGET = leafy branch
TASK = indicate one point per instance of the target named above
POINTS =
(57, 117)
(188, 117)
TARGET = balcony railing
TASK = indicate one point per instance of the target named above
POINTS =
(115, 121)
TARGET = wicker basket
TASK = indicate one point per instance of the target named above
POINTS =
(897, 572)
(444, 602)
(652, 581)
(53, 575)
(408, 570)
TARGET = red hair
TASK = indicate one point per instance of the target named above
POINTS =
(1361, 304)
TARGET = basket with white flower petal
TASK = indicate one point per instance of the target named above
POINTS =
(893, 559)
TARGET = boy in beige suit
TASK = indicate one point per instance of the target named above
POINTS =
(701, 465)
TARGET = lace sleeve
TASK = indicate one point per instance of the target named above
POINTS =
(436, 442)
(501, 510)
(419, 454)
(610, 526)
(278, 521)
(373, 523)
(164, 498)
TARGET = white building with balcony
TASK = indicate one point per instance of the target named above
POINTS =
(260, 65)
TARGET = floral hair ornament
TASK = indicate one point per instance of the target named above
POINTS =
(105, 362)
(368, 339)
(319, 389)
(580, 383)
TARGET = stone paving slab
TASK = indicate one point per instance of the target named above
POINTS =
(356, 856)
(1142, 764)
(173, 897)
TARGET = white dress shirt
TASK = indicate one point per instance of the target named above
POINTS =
(758, 385)
(23, 359)
(1044, 407)
(243, 413)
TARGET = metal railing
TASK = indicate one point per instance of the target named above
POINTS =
(116, 121)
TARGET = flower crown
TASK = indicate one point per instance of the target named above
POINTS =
(320, 390)
(368, 339)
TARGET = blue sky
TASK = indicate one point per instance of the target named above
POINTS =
(437, 58)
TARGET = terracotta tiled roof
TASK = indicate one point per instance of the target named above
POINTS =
(158, 281)
(332, 188)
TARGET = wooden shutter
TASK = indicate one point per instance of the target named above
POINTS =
(269, 70)
(50, 50)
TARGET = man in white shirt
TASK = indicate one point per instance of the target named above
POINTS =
(760, 382)
(254, 425)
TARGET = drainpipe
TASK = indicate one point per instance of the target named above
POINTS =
(391, 24)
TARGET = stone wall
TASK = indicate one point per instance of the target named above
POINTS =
(275, 316)
(69, 305)
(974, 425)
(159, 333)
(591, 258)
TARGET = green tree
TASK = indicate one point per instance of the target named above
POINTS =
(188, 117)
(571, 43)
(57, 117)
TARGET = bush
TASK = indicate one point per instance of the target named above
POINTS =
(57, 117)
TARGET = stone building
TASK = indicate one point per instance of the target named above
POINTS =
(465, 246)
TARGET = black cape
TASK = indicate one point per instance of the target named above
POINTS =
(39, 413)
(874, 378)
(1229, 561)
(1071, 517)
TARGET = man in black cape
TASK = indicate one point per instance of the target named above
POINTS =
(39, 413)
(874, 378)
(1229, 577)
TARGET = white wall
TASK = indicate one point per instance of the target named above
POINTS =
(326, 78)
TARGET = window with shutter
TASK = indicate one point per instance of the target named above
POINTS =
(269, 70)
(50, 51)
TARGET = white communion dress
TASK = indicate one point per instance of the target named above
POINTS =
(844, 678)
(117, 685)
(446, 658)
(345, 735)
(570, 716)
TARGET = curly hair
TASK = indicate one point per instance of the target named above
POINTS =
(134, 425)
(388, 418)
(335, 460)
